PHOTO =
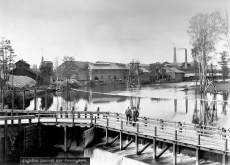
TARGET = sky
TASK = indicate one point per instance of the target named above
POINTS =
(101, 30)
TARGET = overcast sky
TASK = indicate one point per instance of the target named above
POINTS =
(101, 30)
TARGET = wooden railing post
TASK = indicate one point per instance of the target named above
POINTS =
(98, 109)
(38, 117)
(137, 128)
(85, 112)
(155, 131)
(95, 120)
(121, 125)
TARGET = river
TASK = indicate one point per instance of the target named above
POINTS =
(171, 102)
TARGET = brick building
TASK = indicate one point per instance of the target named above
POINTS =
(108, 71)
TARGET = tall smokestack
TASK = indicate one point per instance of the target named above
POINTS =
(185, 64)
(174, 57)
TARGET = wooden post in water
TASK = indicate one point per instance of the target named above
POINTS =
(186, 105)
(3, 99)
(12, 99)
(197, 150)
(175, 149)
(24, 99)
(35, 99)
(46, 99)
(65, 138)
(175, 105)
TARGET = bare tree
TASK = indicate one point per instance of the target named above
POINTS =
(224, 21)
(56, 65)
(68, 67)
(204, 32)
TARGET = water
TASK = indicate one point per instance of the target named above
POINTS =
(168, 102)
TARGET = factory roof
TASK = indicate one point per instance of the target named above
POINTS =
(108, 65)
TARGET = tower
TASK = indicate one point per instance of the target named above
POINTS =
(133, 81)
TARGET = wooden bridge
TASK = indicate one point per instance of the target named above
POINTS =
(211, 139)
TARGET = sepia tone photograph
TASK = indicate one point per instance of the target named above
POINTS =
(114, 82)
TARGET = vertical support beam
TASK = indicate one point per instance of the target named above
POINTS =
(121, 140)
(154, 149)
(65, 138)
(61, 112)
(175, 149)
(39, 117)
(224, 154)
(95, 120)
(85, 112)
(197, 150)
(107, 135)
(39, 135)
(5, 139)
(121, 125)
(35, 99)
(23, 99)
(136, 143)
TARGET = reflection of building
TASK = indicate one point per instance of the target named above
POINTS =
(107, 71)
(23, 69)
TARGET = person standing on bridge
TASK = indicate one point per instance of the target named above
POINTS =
(128, 114)
(135, 114)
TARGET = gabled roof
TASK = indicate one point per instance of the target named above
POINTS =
(23, 62)
(174, 69)
(106, 65)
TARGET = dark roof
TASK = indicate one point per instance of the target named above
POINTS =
(79, 64)
(23, 62)
(106, 65)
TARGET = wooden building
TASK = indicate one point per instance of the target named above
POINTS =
(23, 69)
(108, 71)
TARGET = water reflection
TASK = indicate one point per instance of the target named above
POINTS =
(189, 107)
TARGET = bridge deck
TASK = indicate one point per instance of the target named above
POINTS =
(190, 136)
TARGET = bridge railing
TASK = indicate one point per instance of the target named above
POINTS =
(167, 132)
